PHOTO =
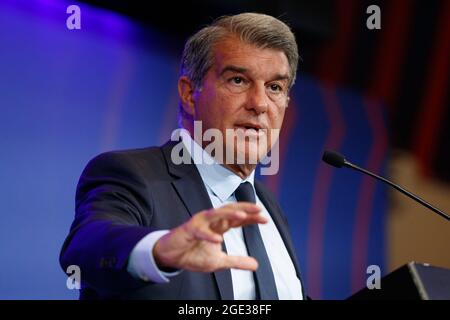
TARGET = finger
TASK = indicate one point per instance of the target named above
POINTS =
(248, 207)
(233, 212)
(226, 219)
(222, 219)
(240, 262)
(208, 226)
(206, 234)
(250, 219)
(224, 213)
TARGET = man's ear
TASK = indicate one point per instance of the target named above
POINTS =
(186, 92)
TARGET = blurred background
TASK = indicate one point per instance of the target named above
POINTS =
(378, 96)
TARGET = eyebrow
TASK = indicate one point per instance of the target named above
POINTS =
(232, 68)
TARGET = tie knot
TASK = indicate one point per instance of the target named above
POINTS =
(245, 192)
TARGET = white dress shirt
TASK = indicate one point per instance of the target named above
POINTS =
(221, 184)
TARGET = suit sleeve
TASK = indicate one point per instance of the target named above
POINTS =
(113, 212)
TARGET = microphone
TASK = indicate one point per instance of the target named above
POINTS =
(338, 160)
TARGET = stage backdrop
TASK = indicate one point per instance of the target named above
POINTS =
(67, 95)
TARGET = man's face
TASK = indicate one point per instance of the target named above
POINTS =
(245, 90)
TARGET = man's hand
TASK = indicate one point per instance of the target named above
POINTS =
(197, 244)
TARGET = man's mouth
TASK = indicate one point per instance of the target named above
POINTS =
(250, 129)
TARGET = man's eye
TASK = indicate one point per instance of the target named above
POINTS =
(237, 80)
(276, 88)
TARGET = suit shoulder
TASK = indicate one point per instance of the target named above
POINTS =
(125, 160)
(128, 154)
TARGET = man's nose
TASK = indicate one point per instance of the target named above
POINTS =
(258, 99)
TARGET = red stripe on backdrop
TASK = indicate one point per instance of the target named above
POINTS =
(364, 207)
(286, 134)
(432, 109)
(383, 86)
(320, 195)
(333, 64)
(334, 58)
(390, 52)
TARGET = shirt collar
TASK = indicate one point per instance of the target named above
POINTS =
(222, 181)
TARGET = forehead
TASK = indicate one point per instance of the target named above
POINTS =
(233, 51)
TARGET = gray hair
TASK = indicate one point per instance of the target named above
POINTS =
(261, 30)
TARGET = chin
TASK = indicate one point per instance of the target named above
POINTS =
(249, 153)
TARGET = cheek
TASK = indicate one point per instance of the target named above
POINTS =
(205, 106)
(276, 122)
(226, 110)
(212, 111)
(276, 118)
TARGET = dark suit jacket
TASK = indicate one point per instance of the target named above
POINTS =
(121, 197)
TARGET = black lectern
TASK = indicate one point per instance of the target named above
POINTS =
(413, 281)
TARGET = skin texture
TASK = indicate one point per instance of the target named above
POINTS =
(245, 89)
(229, 99)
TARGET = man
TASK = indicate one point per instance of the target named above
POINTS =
(150, 227)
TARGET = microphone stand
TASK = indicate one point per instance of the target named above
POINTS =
(337, 160)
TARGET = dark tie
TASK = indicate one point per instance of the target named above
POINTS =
(264, 279)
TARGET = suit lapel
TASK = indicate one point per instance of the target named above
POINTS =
(193, 194)
(281, 225)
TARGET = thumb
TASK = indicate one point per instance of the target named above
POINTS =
(240, 262)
